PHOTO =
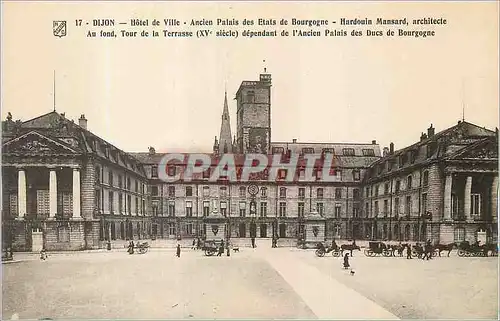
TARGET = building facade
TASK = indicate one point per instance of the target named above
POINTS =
(65, 188)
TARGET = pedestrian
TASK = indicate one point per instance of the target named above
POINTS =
(198, 243)
(408, 251)
(346, 261)
(194, 244)
(178, 250)
(130, 247)
(253, 242)
(221, 249)
(43, 254)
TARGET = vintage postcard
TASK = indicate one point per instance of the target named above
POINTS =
(249, 160)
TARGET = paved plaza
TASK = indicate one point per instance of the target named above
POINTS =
(254, 283)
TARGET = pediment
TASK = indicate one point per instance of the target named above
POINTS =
(485, 149)
(38, 144)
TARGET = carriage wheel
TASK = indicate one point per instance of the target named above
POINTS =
(372, 254)
(336, 253)
(461, 253)
(209, 252)
(414, 253)
(320, 253)
(435, 253)
(142, 250)
(368, 252)
(386, 253)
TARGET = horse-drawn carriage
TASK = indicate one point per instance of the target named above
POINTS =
(377, 248)
(211, 247)
(466, 249)
(321, 250)
(139, 247)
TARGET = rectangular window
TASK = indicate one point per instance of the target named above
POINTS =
(129, 204)
(424, 204)
(154, 190)
(243, 191)
(368, 152)
(475, 204)
(243, 209)
(328, 151)
(386, 188)
(110, 178)
(223, 208)
(338, 209)
(375, 213)
(302, 192)
(348, 151)
(136, 206)
(171, 208)
(154, 171)
(408, 182)
(355, 194)
(189, 191)
(278, 150)
(263, 209)
(425, 179)
(398, 186)
(367, 210)
(206, 208)
(356, 175)
(396, 206)
(338, 193)
(408, 205)
(189, 209)
(171, 171)
(223, 191)
(319, 193)
(120, 181)
(283, 192)
(320, 208)
(300, 211)
(189, 229)
(120, 203)
(136, 187)
(355, 211)
(206, 174)
(206, 191)
(282, 209)
(459, 234)
(307, 150)
(386, 207)
(171, 228)
(171, 191)
(111, 201)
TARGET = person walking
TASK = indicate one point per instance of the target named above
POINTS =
(408, 251)
(346, 261)
(253, 242)
(194, 245)
(221, 249)
(178, 252)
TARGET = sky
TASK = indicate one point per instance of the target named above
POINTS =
(169, 93)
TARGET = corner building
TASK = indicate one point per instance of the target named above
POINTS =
(65, 188)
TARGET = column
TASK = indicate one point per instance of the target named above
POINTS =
(494, 197)
(21, 193)
(467, 191)
(52, 193)
(76, 194)
(447, 197)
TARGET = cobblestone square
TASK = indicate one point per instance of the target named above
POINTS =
(255, 283)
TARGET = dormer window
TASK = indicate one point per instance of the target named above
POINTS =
(348, 151)
(307, 150)
(328, 151)
(278, 150)
(368, 152)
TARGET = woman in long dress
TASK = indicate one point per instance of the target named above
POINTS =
(346, 261)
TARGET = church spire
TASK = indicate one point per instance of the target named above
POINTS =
(225, 128)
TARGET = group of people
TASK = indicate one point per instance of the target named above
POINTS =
(425, 251)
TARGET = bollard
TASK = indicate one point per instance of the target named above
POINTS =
(109, 246)
(228, 252)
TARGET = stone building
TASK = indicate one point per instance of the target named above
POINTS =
(64, 188)
(443, 188)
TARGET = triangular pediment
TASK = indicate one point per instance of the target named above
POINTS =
(486, 149)
(38, 144)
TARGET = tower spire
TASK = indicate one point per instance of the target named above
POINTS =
(225, 137)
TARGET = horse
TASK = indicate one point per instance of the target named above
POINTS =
(348, 247)
(398, 247)
(445, 247)
(491, 247)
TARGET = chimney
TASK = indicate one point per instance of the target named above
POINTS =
(385, 152)
(82, 122)
(423, 137)
(391, 148)
(294, 140)
(430, 131)
(152, 150)
(374, 142)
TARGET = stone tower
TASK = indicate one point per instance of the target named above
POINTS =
(254, 115)
(225, 137)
